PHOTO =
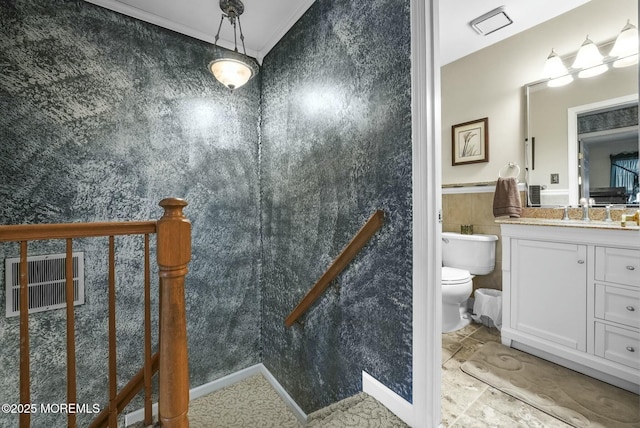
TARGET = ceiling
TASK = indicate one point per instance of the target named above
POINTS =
(265, 22)
(458, 39)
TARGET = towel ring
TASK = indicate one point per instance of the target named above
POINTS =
(510, 165)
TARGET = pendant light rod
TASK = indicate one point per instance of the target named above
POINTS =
(215, 43)
(231, 68)
(241, 36)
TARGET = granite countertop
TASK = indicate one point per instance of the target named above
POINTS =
(553, 217)
(594, 224)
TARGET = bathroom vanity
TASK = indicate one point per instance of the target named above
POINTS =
(571, 295)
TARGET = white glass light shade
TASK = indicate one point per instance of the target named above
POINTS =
(560, 81)
(232, 69)
(626, 47)
(593, 71)
(589, 60)
(626, 61)
(230, 73)
(554, 67)
(556, 71)
(588, 56)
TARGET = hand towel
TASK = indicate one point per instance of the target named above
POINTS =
(506, 199)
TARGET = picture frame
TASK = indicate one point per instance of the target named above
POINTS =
(470, 142)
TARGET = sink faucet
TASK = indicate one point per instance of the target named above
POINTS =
(608, 211)
(585, 209)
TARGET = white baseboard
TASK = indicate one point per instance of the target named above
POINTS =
(290, 402)
(396, 404)
(138, 415)
(208, 388)
(392, 401)
(223, 382)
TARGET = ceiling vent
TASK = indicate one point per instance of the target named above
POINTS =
(491, 22)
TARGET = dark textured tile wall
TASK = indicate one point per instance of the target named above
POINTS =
(335, 147)
(102, 116)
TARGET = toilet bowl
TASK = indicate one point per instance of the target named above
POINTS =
(457, 285)
(463, 257)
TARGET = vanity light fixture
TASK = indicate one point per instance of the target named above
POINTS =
(626, 47)
(231, 68)
(589, 60)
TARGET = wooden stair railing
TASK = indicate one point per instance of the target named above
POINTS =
(173, 238)
(348, 253)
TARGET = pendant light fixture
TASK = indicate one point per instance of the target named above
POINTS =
(626, 47)
(232, 68)
(589, 60)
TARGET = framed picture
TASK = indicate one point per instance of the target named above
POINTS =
(470, 142)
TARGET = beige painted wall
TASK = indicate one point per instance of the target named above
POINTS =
(475, 209)
(489, 83)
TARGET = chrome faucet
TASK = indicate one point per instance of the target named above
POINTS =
(566, 213)
(585, 209)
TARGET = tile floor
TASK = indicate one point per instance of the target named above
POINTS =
(470, 403)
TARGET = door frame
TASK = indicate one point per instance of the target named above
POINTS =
(427, 212)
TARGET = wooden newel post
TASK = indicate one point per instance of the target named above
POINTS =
(174, 254)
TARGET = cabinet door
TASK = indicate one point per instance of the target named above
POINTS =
(549, 291)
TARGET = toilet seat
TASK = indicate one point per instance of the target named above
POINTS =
(454, 276)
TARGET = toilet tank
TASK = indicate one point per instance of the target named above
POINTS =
(475, 253)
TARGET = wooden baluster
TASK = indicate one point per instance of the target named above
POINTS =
(25, 377)
(71, 343)
(148, 414)
(174, 254)
(113, 381)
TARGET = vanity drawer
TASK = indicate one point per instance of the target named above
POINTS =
(618, 305)
(618, 265)
(618, 344)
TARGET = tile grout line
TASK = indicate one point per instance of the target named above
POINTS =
(460, 341)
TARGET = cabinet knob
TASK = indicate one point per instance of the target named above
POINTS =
(631, 308)
(580, 262)
(631, 349)
(631, 268)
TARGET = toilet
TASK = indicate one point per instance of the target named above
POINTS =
(463, 257)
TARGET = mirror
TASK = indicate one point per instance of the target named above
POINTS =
(582, 140)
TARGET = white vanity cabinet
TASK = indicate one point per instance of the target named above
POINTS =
(549, 299)
(571, 295)
(616, 313)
